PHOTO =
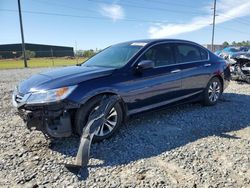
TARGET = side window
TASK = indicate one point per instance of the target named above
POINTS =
(188, 53)
(161, 54)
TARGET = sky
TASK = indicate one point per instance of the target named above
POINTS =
(91, 24)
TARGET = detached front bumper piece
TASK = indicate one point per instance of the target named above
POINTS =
(53, 120)
(95, 120)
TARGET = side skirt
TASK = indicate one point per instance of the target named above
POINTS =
(161, 104)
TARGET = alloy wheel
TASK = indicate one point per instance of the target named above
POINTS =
(214, 91)
(109, 123)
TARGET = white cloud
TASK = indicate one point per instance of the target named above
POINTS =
(226, 9)
(113, 11)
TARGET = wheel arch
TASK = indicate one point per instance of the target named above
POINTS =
(107, 92)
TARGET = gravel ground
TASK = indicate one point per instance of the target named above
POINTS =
(185, 146)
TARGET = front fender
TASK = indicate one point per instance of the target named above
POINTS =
(105, 91)
(101, 91)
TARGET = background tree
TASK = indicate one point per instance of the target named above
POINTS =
(79, 53)
(242, 43)
(85, 53)
(234, 43)
(29, 54)
(225, 44)
(88, 53)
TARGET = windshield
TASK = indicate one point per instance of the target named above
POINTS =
(114, 56)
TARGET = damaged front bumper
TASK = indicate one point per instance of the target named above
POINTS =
(53, 119)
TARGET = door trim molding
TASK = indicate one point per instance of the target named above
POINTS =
(163, 103)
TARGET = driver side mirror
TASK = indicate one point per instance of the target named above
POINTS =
(145, 64)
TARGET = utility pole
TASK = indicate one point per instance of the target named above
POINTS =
(21, 27)
(77, 57)
(213, 25)
(52, 56)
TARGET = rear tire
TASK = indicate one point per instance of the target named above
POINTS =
(212, 92)
(107, 130)
(248, 80)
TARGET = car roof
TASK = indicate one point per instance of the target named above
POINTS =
(150, 41)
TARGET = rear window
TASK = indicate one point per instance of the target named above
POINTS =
(204, 54)
(189, 53)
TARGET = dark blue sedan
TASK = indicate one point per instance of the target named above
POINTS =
(145, 75)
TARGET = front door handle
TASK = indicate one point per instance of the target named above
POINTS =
(207, 65)
(176, 70)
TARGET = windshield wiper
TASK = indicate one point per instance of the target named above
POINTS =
(99, 66)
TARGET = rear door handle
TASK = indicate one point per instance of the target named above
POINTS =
(207, 65)
(175, 71)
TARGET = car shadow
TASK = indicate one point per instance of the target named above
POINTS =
(151, 134)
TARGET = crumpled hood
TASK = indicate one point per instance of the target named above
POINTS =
(61, 77)
(233, 55)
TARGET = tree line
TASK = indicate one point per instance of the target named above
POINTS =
(234, 43)
(86, 53)
(79, 53)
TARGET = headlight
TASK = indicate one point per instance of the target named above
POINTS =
(46, 96)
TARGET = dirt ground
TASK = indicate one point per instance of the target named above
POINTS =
(185, 146)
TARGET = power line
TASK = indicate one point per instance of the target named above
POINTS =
(245, 19)
(92, 17)
(128, 19)
(149, 21)
(63, 5)
(166, 3)
(131, 5)
(170, 10)
(238, 20)
(102, 18)
(151, 8)
(230, 29)
(171, 3)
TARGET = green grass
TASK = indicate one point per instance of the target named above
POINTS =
(38, 62)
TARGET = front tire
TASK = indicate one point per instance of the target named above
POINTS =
(212, 92)
(111, 125)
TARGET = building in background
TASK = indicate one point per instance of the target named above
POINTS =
(41, 50)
